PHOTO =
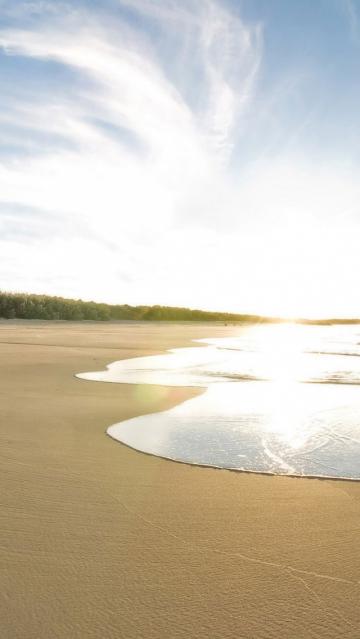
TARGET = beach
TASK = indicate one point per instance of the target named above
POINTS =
(101, 541)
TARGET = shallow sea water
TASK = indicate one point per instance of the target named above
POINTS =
(281, 399)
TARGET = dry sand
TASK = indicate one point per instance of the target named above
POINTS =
(100, 541)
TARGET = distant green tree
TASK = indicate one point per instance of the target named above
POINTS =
(29, 306)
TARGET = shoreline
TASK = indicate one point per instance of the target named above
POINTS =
(243, 471)
(102, 541)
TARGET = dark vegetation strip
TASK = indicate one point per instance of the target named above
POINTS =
(46, 307)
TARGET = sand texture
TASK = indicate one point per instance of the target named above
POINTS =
(100, 541)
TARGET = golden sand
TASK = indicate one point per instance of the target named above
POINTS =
(100, 541)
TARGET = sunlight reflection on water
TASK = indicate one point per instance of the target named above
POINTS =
(279, 399)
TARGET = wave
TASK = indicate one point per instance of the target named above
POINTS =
(245, 377)
(292, 421)
(333, 353)
(242, 349)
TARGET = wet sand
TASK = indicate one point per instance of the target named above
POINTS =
(100, 541)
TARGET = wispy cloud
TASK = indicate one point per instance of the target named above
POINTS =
(117, 172)
(127, 147)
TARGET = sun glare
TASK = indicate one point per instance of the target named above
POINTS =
(285, 364)
(281, 352)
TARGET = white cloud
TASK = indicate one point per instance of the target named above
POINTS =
(165, 220)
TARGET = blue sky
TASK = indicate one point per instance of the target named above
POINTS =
(197, 153)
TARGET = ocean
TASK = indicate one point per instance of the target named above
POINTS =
(277, 399)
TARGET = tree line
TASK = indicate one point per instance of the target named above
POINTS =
(47, 307)
(30, 306)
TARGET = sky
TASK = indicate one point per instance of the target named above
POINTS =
(202, 153)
